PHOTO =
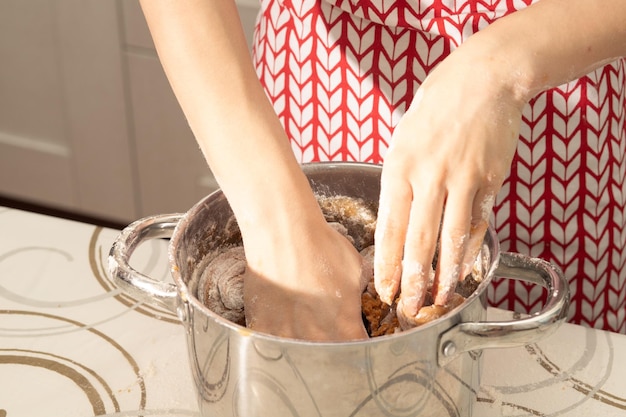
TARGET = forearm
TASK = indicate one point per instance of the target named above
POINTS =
(555, 41)
(204, 53)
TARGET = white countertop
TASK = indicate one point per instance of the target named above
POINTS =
(72, 344)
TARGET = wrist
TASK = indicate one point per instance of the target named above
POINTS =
(502, 65)
(275, 206)
(550, 43)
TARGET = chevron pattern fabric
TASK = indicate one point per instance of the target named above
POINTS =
(341, 73)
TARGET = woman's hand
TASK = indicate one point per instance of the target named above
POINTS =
(304, 285)
(447, 160)
(452, 149)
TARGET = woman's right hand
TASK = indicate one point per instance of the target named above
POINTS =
(304, 284)
(303, 277)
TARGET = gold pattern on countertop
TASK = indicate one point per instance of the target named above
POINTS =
(77, 372)
(580, 386)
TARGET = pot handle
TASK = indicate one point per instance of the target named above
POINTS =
(465, 337)
(136, 284)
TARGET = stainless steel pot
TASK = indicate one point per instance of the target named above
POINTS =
(432, 370)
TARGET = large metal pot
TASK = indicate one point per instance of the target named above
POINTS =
(432, 370)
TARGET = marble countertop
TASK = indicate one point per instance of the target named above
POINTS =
(72, 344)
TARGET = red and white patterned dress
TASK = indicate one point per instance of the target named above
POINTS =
(340, 73)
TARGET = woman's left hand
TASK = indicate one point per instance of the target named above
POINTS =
(447, 161)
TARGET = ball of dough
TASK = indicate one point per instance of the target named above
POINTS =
(220, 287)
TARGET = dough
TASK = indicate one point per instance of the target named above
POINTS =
(220, 286)
(381, 318)
(430, 312)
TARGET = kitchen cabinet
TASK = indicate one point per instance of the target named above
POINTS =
(88, 122)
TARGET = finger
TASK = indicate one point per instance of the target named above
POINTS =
(482, 208)
(420, 246)
(393, 217)
(416, 277)
(476, 238)
(452, 245)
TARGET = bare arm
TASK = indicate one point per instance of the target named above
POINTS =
(453, 148)
(203, 50)
(556, 41)
(296, 263)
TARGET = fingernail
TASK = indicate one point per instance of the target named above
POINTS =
(388, 288)
(383, 293)
(443, 293)
(408, 306)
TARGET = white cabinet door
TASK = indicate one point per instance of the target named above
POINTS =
(88, 122)
(63, 119)
(171, 169)
(172, 172)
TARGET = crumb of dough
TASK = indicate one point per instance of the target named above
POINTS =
(358, 217)
(379, 317)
